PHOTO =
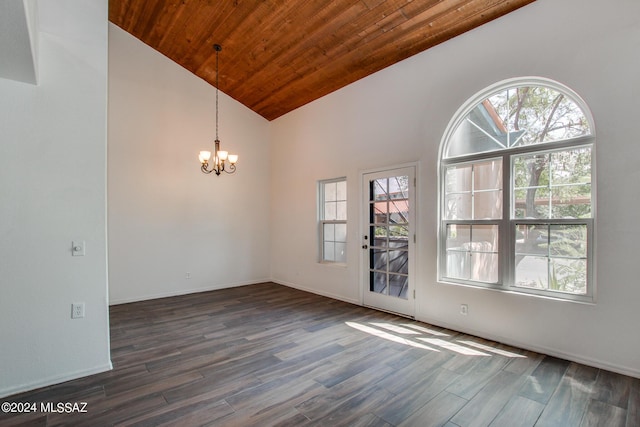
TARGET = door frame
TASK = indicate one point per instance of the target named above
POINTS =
(363, 230)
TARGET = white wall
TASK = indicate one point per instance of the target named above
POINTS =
(53, 191)
(399, 115)
(166, 218)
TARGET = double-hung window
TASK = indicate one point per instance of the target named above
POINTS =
(517, 192)
(333, 220)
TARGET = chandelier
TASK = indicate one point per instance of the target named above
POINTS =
(218, 163)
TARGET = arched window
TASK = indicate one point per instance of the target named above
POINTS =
(516, 191)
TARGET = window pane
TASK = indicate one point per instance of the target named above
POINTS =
(457, 236)
(340, 254)
(485, 238)
(569, 275)
(458, 206)
(341, 190)
(532, 240)
(458, 265)
(458, 179)
(330, 192)
(340, 232)
(330, 211)
(571, 166)
(573, 201)
(329, 252)
(484, 267)
(341, 211)
(516, 117)
(487, 175)
(568, 241)
(329, 232)
(532, 272)
(333, 207)
(487, 205)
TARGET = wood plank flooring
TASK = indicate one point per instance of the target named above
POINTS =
(268, 355)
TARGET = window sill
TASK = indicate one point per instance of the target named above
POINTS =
(579, 299)
(333, 264)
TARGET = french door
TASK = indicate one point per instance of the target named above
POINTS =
(388, 240)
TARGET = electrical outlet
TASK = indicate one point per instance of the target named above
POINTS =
(187, 275)
(464, 309)
(77, 310)
(78, 248)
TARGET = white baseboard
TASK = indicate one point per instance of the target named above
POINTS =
(596, 363)
(186, 291)
(57, 379)
(315, 291)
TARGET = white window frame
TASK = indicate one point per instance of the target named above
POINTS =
(507, 224)
(322, 222)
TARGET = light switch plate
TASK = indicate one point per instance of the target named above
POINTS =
(77, 248)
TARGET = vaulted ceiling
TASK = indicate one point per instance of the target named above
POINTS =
(278, 55)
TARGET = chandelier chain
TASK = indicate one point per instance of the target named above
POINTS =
(217, 86)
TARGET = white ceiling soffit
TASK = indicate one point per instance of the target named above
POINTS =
(18, 38)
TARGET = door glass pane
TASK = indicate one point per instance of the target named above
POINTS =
(398, 285)
(399, 211)
(378, 282)
(399, 187)
(388, 252)
(378, 259)
(378, 213)
(380, 189)
(399, 262)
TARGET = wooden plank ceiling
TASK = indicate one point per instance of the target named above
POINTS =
(278, 55)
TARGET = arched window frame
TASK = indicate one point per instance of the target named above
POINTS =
(507, 225)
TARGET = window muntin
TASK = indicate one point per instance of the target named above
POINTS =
(516, 117)
(474, 190)
(535, 234)
(552, 257)
(333, 220)
(553, 184)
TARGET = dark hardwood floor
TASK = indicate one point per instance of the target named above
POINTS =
(266, 355)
